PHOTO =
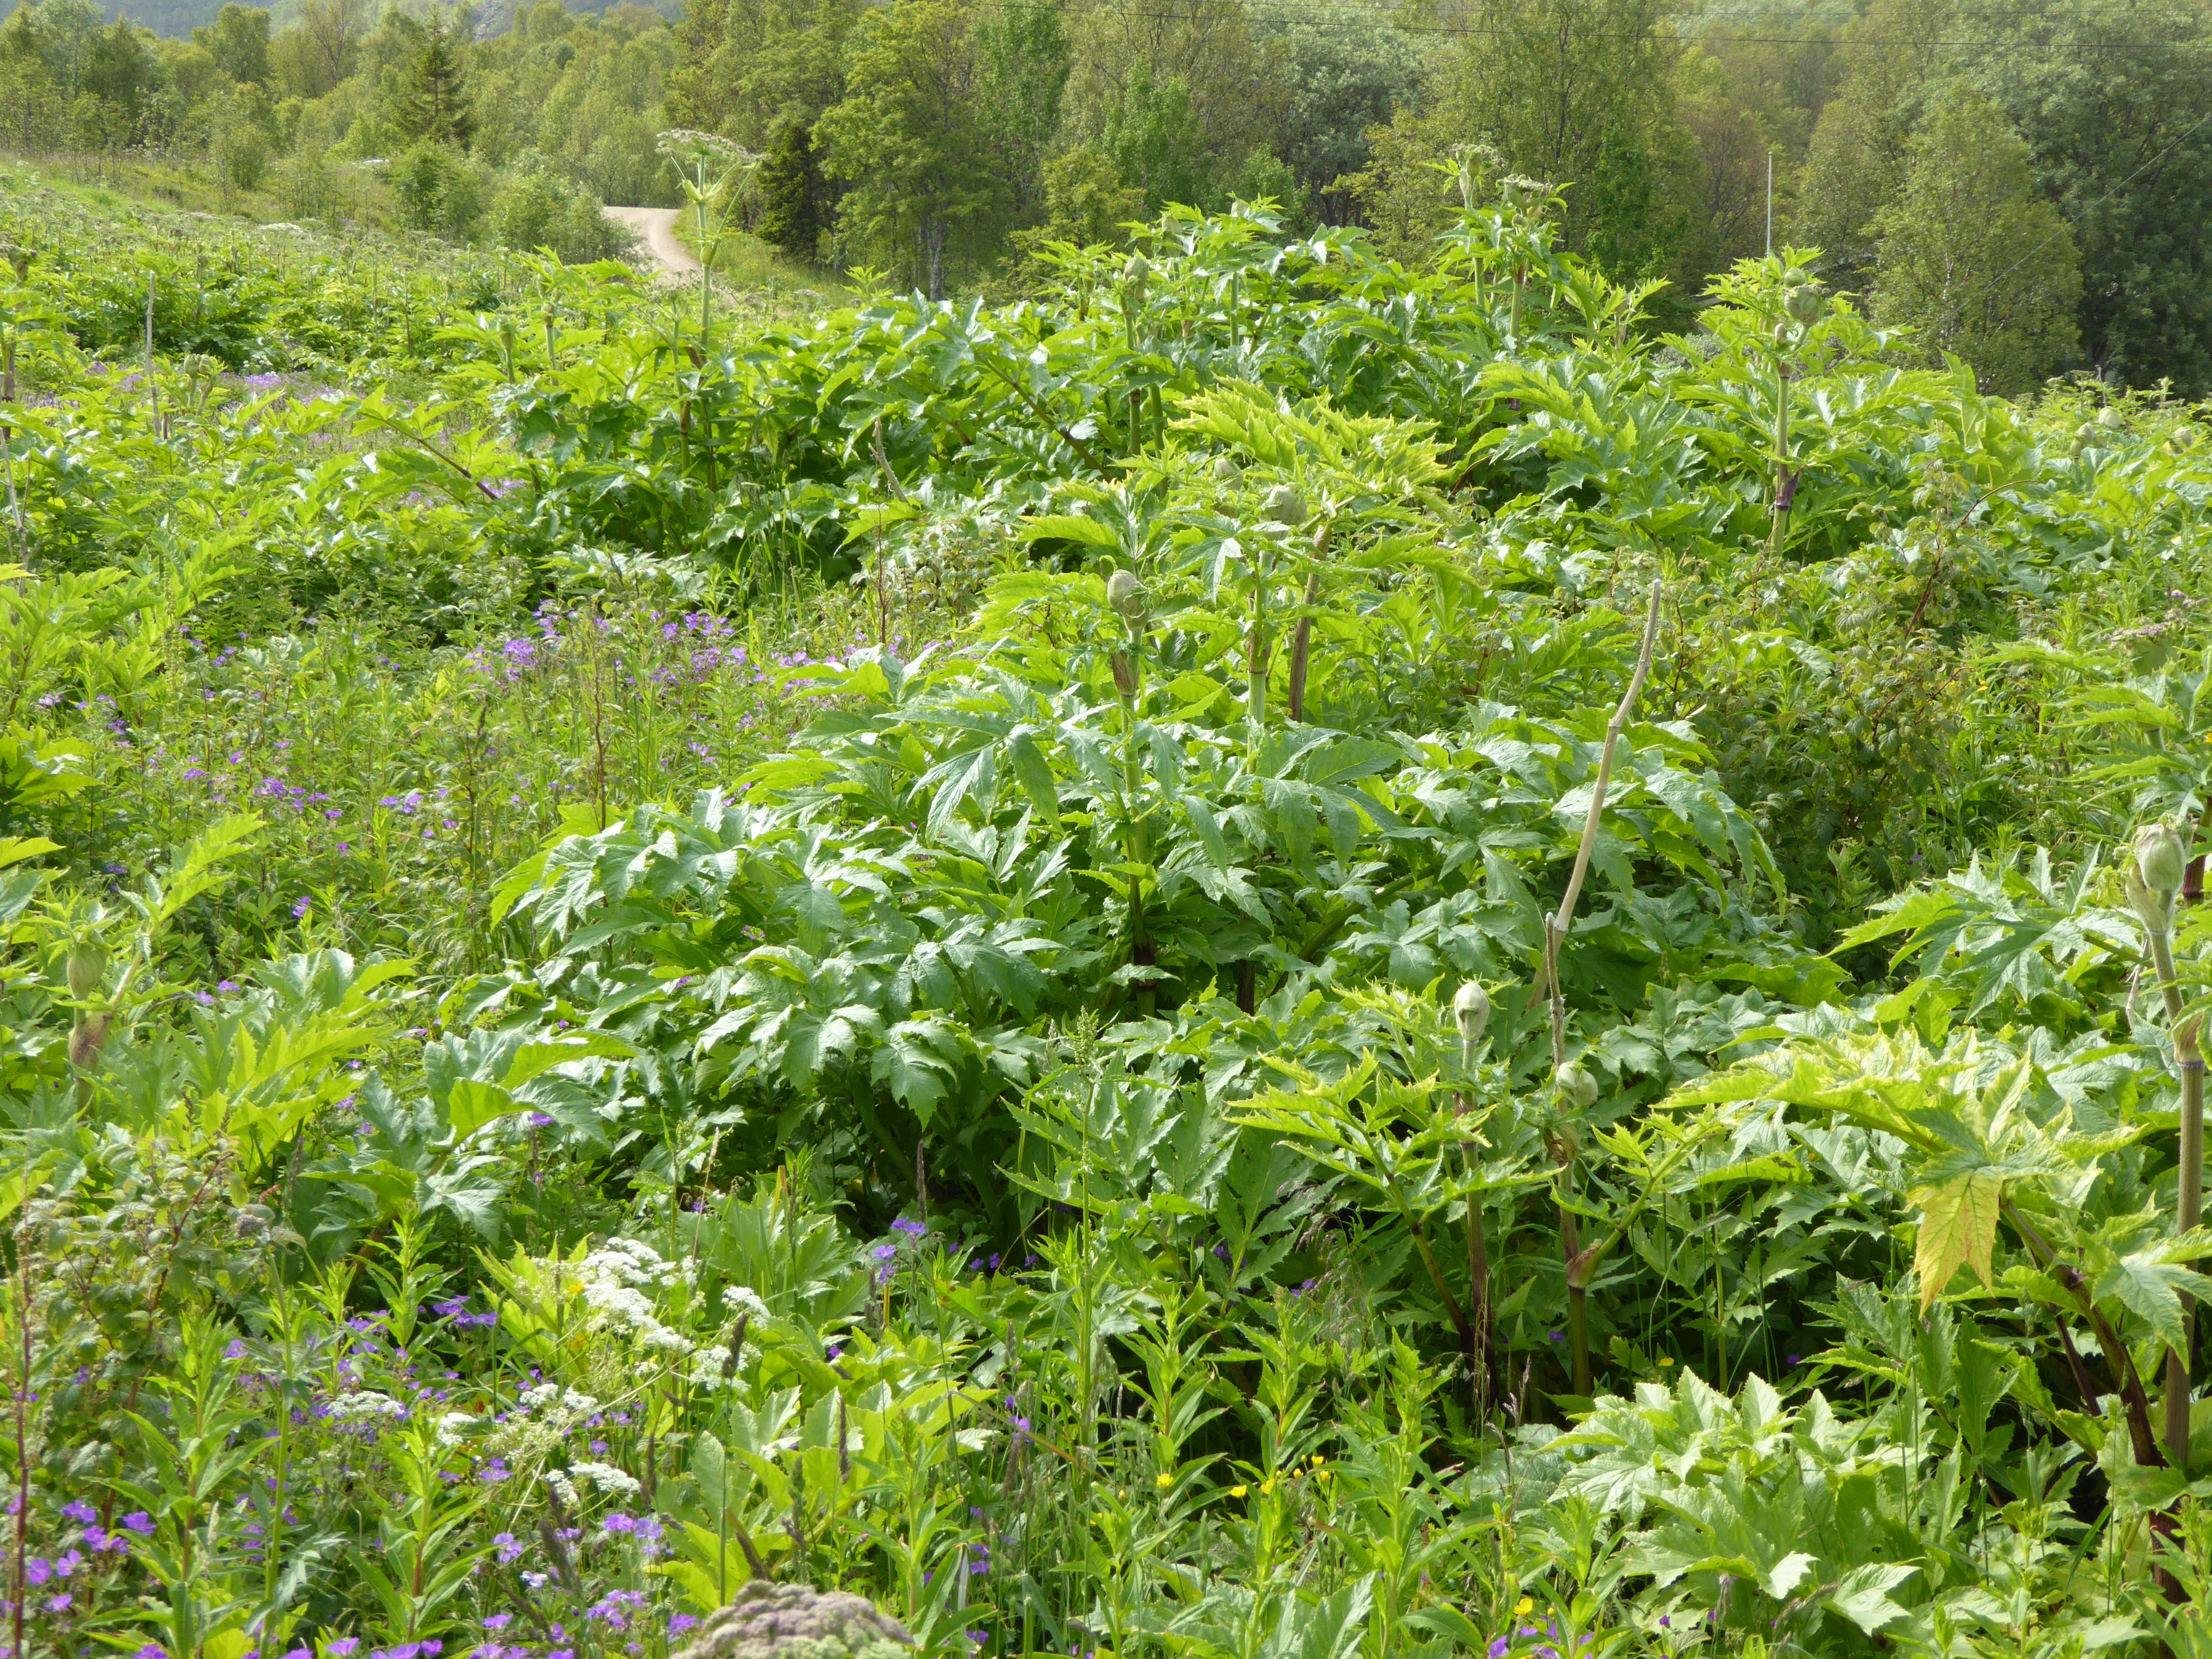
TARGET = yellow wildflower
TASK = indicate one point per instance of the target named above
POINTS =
(1523, 1607)
(1238, 1492)
(1164, 1481)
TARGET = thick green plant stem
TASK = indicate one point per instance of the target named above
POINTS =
(1555, 935)
(1136, 846)
(1782, 482)
(2189, 1210)
(2188, 1195)
(1294, 702)
(2127, 1382)
(1577, 1299)
(1255, 691)
(1452, 1309)
(1555, 931)
(1480, 1385)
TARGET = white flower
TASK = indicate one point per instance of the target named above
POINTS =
(743, 1298)
(457, 1426)
(617, 1280)
(608, 1479)
(552, 1394)
(365, 1407)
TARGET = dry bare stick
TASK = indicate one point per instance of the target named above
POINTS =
(1555, 929)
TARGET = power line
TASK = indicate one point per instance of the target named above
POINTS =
(1975, 296)
(1330, 18)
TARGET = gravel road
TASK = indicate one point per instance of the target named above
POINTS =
(658, 227)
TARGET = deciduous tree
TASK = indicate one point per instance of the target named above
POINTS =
(910, 140)
(1970, 257)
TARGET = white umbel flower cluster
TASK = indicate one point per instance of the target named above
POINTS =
(552, 1396)
(619, 1279)
(743, 1299)
(366, 1407)
(454, 1427)
(604, 1477)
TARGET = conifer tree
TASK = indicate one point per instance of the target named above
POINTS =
(789, 185)
(434, 106)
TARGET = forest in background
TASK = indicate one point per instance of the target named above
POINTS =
(2025, 189)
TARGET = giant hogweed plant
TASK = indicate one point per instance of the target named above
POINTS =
(2027, 1166)
(896, 907)
(1126, 961)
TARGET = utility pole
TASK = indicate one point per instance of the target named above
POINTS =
(1770, 201)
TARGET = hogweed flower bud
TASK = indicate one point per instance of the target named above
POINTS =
(2151, 907)
(2161, 860)
(85, 1040)
(2110, 418)
(1576, 1085)
(87, 968)
(1135, 277)
(1283, 505)
(1471, 1008)
(797, 1621)
(1125, 673)
(1226, 470)
(1126, 594)
(1802, 299)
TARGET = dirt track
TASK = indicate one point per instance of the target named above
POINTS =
(658, 227)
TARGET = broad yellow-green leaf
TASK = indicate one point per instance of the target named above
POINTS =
(1034, 773)
(14, 849)
(1958, 1224)
(1065, 527)
(473, 1104)
(2152, 1291)
(877, 515)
